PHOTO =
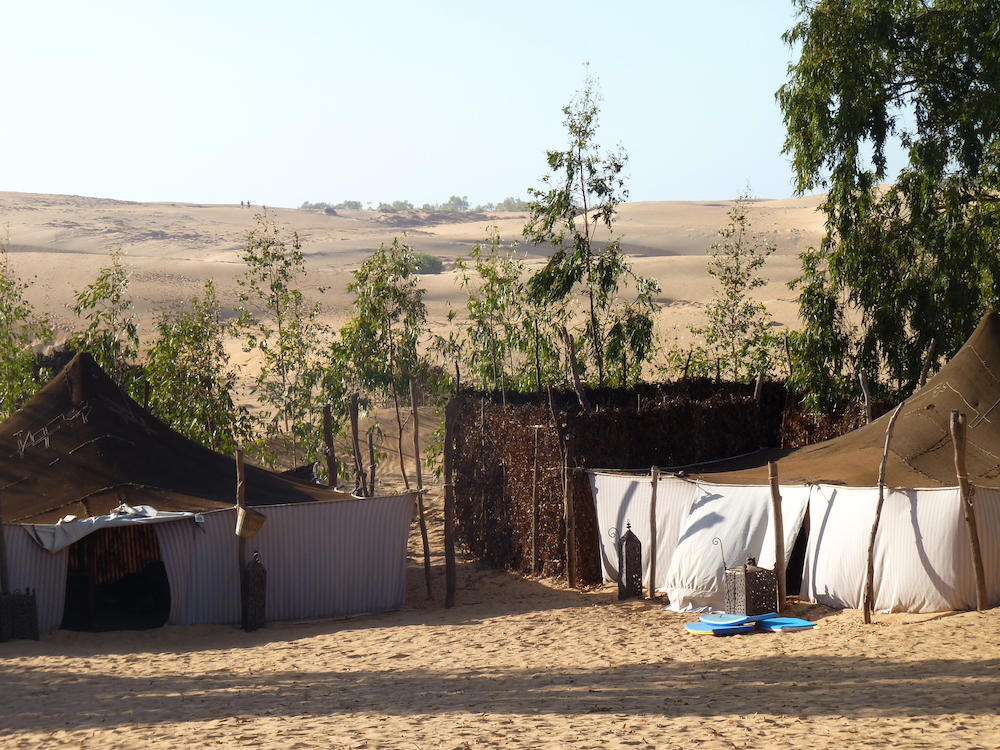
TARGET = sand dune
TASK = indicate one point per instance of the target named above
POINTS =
(60, 242)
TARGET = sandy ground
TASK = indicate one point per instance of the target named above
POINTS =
(518, 662)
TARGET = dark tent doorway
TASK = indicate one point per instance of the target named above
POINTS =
(116, 580)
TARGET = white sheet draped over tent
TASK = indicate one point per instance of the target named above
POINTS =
(922, 551)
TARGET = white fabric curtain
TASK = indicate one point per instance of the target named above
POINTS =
(923, 559)
(623, 500)
(742, 520)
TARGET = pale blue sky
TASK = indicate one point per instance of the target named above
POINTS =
(278, 103)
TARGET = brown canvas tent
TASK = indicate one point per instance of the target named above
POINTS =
(922, 554)
(82, 448)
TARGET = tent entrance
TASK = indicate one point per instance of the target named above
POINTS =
(116, 580)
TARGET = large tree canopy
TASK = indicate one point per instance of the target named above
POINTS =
(918, 259)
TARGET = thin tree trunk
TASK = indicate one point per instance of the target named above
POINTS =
(420, 490)
(399, 435)
(450, 414)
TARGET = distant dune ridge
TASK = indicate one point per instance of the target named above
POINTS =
(59, 242)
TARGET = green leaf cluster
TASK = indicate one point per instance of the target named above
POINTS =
(903, 264)
(20, 328)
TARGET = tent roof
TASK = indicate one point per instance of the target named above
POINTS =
(921, 452)
(81, 446)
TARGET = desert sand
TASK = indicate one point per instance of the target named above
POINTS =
(517, 662)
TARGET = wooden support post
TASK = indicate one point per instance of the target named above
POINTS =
(360, 485)
(536, 565)
(450, 414)
(869, 591)
(420, 490)
(4, 570)
(655, 476)
(569, 475)
(779, 535)
(958, 435)
(758, 389)
(331, 456)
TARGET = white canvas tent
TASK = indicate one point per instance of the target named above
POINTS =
(922, 551)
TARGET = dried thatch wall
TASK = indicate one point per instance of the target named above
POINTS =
(659, 425)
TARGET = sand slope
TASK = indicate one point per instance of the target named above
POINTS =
(60, 242)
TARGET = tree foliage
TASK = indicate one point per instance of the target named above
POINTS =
(738, 327)
(379, 342)
(904, 264)
(583, 192)
(192, 382)
(508, 341)
(284, 330)
(20, 327)
(112, 333)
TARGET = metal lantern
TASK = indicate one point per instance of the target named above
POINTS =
(629, 565)
(254, 594)
(751, 590)
(19, 615)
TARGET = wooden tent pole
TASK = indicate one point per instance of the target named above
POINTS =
(958, 435)
(536, 566)
(569, 476)
(655, 476)
(331, 456)
(420, 489)
(870, 571)
(779, 535)
(450, 414)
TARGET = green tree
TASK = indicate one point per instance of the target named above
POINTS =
(192, 382)
(283, 328)
(738, 327)
(112, 334)
(19, 329)
(582, 192)
(916, 260)
(380, 340)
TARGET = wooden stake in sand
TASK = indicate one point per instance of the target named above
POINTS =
(870, 572)
(779, 535)
(420, 489)
(655, 476)
(450, 414)
(958, 435)
(536, 566)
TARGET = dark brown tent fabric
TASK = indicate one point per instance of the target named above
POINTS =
(81, 446)
(921, 453)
